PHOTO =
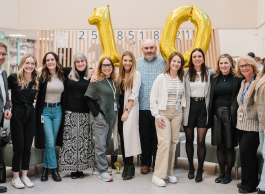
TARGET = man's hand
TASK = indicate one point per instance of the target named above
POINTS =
(8, 114)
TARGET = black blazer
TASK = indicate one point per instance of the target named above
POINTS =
(234, 105)
(39, 136)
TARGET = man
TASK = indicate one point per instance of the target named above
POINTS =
(150, 66)
(91, 70)
(4, 97)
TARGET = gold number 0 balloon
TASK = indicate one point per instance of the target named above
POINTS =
(202, 25)
(101, 18)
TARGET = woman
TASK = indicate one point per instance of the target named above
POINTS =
(247, 125)
(49, 107)
(166, 101)
(128, 83)
(77, 152)
(223, 114)
(258, 90)
(103, 101)
(195, 114)
(24, 84)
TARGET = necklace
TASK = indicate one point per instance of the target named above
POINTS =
(225, 77)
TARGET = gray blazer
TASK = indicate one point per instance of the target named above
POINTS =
(186, 110)
(2, 105)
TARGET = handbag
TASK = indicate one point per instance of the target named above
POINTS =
(5, 136)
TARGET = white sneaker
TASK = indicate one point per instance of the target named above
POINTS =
(105, 177)
(27, 182)
(158, 181)
(172, 179)
(17, 183)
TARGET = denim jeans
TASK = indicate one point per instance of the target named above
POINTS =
(52, 123)
(261, 185)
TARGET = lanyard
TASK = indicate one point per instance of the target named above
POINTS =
(177, 92)
(244, 93)
(113, 90)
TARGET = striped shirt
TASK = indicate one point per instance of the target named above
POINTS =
(173, 98)
(149, 71)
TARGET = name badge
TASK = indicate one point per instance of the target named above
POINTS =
(177, 106)
(240, 116)
(115, 106)
(42, 119)
(85, 78)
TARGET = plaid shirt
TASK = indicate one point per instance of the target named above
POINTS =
(149, 71)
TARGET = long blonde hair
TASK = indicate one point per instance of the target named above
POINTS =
(20, 74)
(128, 81)
(73, 75)
(99, 72)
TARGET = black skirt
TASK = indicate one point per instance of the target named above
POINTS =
(197, 114)
(223, 132)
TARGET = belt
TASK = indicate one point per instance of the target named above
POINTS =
(28, 106)
(197, 99)
(51, 105)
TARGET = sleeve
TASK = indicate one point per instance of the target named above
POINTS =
(260, 107)
(92, 106)
(136, 86)
(92, 91)
(11, 81)
(66, 71)
(154, 99)
(7, 105)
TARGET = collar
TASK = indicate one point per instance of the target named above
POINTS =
(2, 69)
(151, 60)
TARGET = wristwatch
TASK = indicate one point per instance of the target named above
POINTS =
(127, 109)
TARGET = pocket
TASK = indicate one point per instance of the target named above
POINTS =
(99, 120)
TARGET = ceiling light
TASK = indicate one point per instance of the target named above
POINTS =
(16, 35)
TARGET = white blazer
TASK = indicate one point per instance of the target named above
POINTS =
(159, 96)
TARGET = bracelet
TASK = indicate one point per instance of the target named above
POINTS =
(127, 109)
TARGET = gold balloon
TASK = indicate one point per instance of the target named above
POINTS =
(202, 25)
(101, 19)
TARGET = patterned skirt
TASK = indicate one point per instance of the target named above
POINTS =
(77, 152)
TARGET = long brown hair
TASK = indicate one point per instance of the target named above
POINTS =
(180, 71)
(46, 75)
(99, 72)
(192, 72)
(232, 69)
(20, 74)
(128, 81)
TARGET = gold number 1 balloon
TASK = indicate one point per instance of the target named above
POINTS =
(202, 25)
(101, 19)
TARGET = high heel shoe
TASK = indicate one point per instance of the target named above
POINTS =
(198, 177)
(44, 176)
(191, 174)
(55, 175)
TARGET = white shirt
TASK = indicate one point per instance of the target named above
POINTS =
(174, 96)
(2, 85)
(198, 87)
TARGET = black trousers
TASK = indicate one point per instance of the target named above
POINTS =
(148, 137)
(126, 160)
(248, 146)
(22, 126)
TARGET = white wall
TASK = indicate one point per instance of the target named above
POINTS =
(9, 14)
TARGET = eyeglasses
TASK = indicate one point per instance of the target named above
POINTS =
(82, 61)
(106, 66)
(242, 66)
(3, 54)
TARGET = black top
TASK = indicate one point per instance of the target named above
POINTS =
(75, 100)
(223, 91)
(18, 96)
(121, 99)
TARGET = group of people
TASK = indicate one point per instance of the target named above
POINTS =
(143, 106)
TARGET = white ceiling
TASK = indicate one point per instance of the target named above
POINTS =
(30, 34)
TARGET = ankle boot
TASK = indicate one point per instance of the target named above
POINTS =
(55, 175)
(130, 172)
(124, 170)
(44, 176)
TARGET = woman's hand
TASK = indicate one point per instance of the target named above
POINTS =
(93, 79)
(161, 122)
(124, 116)
(264, 133)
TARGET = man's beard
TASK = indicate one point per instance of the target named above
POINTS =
(149, 57)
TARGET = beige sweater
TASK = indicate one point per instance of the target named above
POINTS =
(250, 116)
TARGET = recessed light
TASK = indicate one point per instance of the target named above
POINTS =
(16, 35)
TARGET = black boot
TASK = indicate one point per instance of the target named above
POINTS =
(55, 175)
(3, 189)
(44, 176)
(80, 174)
(130, 172)
(124, 170)
(74, 175)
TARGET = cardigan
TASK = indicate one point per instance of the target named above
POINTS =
(159, 96)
